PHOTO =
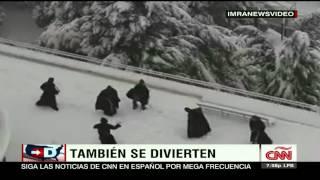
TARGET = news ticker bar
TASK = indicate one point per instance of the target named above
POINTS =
(261, 13)
(154, 168)
(159, 153)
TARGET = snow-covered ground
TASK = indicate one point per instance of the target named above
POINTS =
(4, 133)
(164, 122)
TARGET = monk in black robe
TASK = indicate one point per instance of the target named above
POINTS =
(48, 97)
(108, 101)
(104, 128)
(198, 125)
(140, 93)
(113, 95)
(258, 134)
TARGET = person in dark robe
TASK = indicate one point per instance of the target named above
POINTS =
(140, 93)
(198, 125)
(108, 101)
(104, 128)
(48, 97)
(113, 94)
(262, 138)
(258, 134)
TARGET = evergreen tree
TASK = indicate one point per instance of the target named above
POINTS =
(311, 25)
(255, 53)
(157, 35)
(296, 76)
(190, 39)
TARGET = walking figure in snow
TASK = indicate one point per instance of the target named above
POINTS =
(48, 97)
(104, 131)
(257, 127)
(108, 101)
(140, 93)
(198, 125)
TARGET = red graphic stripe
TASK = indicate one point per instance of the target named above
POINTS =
(283, 148)
(65, 152)
(295, 13)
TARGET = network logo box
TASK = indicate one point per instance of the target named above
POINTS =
(43, 153)
(279, 153)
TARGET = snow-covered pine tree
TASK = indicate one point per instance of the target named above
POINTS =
(297, 73)
(311, 25)
(254, 54)
(183, 38)
(213, 12)
(45, 12)
(157, 35)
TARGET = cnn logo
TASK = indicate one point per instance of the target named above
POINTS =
(281, 153)
(278, 153)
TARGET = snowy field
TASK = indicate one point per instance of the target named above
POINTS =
(164, 122)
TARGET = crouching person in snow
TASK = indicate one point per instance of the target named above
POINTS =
(104, 131)
(198, 125)
(108, 101)
(48, 97)
(257, 127)
(140, 93)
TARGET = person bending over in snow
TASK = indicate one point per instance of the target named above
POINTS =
(114, 96)
(140, 93)
(104, 131)
(48, 97)
(198, 125)
(108, 101)
(258, 135)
